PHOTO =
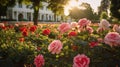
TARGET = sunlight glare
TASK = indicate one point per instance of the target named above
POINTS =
(73, 3)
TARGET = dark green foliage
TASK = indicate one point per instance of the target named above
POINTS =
(104, 15)
(115, 8)
(4, 4)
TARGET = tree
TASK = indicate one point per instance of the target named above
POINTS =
(4, 4)
(57, 6)
(86, 12)
(103, 15)
(104, 6)
(36, 5)
(115, 8)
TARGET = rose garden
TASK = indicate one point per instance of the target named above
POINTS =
(59, 33)
(81, 44)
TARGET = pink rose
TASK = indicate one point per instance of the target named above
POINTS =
(74, 24)
(116, 28)
(104, 24)
(83, 22)
(112, 39)
(64, 27)
(39, 61)
(89, 29)
(55, 47)
(81, 61)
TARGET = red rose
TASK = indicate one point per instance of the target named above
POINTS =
(11, 26)
(46, 32)
(4, 27)
(92, 44)
(22, 29)
(73, 33)
(21, 39)
(33, 28)
(25, 33)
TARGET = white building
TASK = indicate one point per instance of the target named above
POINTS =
(22, 11)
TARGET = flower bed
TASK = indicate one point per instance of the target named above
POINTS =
(62, 45)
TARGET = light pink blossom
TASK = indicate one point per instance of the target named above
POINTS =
(90, 29)
(55, 47)
(64, 27)
(104, 24)
(81, 61)
(116, 28)
(84, 22)
(112, 39)
(74, 24)
(39, 61)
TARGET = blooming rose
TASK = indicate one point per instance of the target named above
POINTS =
(25, 33)
(104, 24)
(33, 28)
(81, 61)
(112, 39)
(116, 28)
(92, 44)
(46, 32)
(55, 47)
(64, 27)
(39, 61)
(73, 33)
(22, 29)
(74, 24)
(89, 29)
(2, 24)
(83, 22)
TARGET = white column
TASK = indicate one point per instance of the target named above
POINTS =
(44, 17)
(26, 16)
(39, 16)
(23, 15)
(17, 15)
(12, 14)
(53, 17)
(56, 18)
(48, 16)
(31, 16)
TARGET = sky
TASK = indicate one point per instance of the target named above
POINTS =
(94, 4)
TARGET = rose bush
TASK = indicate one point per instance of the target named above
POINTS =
(61, 45)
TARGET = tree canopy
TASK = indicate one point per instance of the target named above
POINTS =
(86, 12)
(115, 8)
(4, 4)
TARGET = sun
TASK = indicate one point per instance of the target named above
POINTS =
(73, 3)
(70, 5)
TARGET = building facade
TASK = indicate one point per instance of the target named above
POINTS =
(24, 12)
